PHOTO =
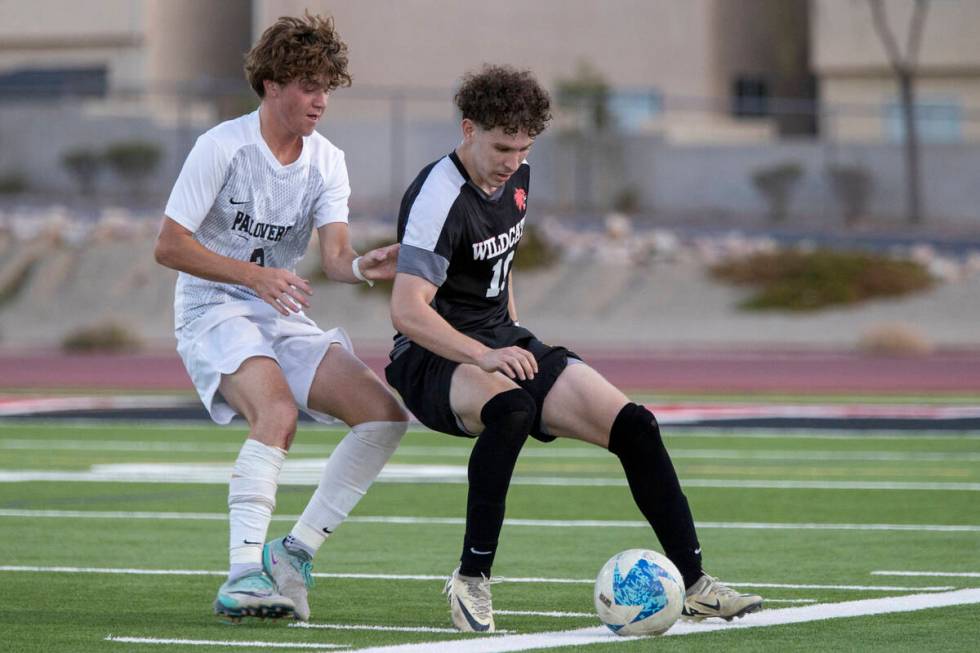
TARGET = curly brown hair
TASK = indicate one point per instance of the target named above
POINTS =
(502, 96)
(308, 49)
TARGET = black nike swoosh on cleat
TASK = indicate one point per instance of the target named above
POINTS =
(232, 200)
(716, 607)
(474, 624)
(247, 542)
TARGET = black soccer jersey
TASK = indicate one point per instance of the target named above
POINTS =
(462, 240)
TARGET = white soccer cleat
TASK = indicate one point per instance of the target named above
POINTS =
(252, 595)
(292, 572)
(709, 598)
(470, 604)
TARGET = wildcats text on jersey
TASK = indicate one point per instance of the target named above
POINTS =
(244, 222)
(497, 245)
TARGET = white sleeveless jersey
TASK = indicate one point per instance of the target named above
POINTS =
(240, 202)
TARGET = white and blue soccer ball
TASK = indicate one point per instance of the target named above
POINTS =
(639, 592)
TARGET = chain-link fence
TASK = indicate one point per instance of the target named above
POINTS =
(638, 152)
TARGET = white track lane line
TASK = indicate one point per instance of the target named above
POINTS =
(442, 578)
(818, 612)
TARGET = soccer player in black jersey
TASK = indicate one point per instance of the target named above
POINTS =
(464, 365)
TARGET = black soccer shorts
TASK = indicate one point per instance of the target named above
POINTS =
(423, 379)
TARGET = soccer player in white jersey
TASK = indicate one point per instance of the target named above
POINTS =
(238, 220)
(465, 367)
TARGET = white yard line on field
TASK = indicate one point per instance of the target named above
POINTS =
(308, 471)
(387, 629)
(595, 635)
(532, 613)
(936, 574)
(227, 642)
(441, 578)
(514, 522)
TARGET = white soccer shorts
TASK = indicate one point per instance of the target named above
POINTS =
(226, 336)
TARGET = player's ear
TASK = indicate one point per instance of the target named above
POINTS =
(469, 129)
(271, 88)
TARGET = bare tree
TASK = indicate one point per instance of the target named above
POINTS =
(904, 68)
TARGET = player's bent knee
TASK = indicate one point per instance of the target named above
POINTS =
(392, 411)
(275, 423)
(633, 423)
(383, 435)
(511, 411)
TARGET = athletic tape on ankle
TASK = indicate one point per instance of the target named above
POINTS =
(255, 476)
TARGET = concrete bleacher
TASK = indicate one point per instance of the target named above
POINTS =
(599, 294)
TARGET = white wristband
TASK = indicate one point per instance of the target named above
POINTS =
(356, 269)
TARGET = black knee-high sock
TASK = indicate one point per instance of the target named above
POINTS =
(507, 418)
(635, 439)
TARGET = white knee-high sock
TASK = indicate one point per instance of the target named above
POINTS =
(348, 474)
(251, 499)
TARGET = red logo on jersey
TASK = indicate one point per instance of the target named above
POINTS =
(520, 198)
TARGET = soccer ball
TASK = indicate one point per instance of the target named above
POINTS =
(639, 592)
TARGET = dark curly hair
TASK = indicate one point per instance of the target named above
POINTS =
(308, 49)
(502, 96)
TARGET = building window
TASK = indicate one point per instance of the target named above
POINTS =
(53, 82)
(937, 120)
(632, 110)
(750, 97)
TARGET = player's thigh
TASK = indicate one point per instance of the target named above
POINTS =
(258, 391)
(346, 388)
(471, 389)
(583, 405)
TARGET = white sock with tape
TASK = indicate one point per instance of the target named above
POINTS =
(251, 499)
(348, 474)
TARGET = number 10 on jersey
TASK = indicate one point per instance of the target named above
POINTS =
(499, 281)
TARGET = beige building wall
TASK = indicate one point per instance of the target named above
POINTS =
(196, 40)
(52, 33)
(857, 84)
(142, 43)
(430, 43)
(688, 51)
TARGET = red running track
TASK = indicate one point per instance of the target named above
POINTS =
(664, 371)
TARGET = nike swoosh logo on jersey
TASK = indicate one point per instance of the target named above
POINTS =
(232, 200)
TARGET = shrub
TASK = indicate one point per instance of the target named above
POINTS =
(628, 199)
(776, 184)
(12, 183)
(84, 165)
(894, 340)
(806, 281)
(535, 251)
(14, 282)
(851, 185)
(133, 161)
(108, 337)
(586, 94)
